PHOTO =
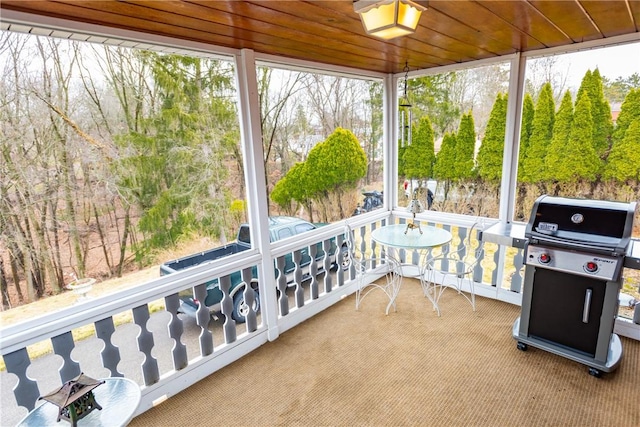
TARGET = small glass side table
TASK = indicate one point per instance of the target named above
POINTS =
(119, 398)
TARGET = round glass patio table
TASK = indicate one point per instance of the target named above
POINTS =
(394, 235)
(119, 398)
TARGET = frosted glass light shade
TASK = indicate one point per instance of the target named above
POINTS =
(388, 19)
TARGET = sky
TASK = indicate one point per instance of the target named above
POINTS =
(612, 62)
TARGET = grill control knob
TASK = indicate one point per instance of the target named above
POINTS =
(590, 267)
(544, 258)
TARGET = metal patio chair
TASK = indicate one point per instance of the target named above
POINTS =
(367, 267)
(451, 269)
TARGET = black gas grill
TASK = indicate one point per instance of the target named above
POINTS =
(574, 255)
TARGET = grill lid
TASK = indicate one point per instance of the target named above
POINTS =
(596, 225)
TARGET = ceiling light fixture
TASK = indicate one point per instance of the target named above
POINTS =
(388, 19)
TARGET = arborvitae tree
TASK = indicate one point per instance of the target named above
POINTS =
(337, 164)
(401, 150)
(528, 111)
(579, 157)
(419, 156)
(293, 187)
(444, 169)
(629, 112)
(600, 110)
(541, 132)
(280, 193)
(584, 84)
(623, 163)
(491, 150)
(465, 147)
(376, 125)
(557, 167)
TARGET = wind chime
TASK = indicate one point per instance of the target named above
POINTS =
(415, 207)
(405, 112)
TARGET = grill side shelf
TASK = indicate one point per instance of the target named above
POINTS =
(509, 234)
(632, 259)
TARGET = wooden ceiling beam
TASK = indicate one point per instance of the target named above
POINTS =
(329, 31)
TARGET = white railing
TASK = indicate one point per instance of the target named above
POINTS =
(165, 352)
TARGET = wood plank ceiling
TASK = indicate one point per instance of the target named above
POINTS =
(330, 32)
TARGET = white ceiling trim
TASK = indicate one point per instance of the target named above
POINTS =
(72, 30)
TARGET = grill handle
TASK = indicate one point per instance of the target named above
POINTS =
(587, 306)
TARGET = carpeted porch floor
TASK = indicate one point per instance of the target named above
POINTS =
(411, 368)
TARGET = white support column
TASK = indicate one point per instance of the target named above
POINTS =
(257, 203)
(512, 139)
(390, 140)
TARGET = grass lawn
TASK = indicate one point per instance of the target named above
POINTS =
(68, 298)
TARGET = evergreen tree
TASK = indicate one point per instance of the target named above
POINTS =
(280, 193)
(533, 165)
(579, 157)
(419, 156)
(431, 96)
(623, 163)
(557, 168)
(465, 148)
(491, 151)
(175, 171)
(444, 168)
(629, 112)
(401, 150)
(528, 111)
(376, 125)
(294, 186)
(617, 90)
(335, 165)
(600, 110)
